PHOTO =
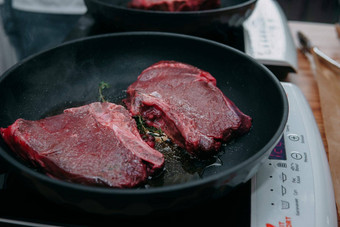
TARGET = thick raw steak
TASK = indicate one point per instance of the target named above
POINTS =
(175, 5)
(185, 103)
(96, 144)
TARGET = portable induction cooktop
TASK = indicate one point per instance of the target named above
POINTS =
(292, 188)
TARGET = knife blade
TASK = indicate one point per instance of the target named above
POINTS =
(307, 47)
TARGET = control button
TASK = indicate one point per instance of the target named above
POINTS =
(281, 164)
(283, 190)
(296, 155)
(284, 205)
(283, 177)
(293, 137)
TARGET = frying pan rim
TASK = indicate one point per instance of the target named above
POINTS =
(209, 11)
(131, 191)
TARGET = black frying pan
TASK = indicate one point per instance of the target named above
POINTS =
(115, 15)
(69, 75)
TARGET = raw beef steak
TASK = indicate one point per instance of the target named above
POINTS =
(95, 144)
(175, 5)
(185, 103)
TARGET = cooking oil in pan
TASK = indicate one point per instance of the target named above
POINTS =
(180, 166)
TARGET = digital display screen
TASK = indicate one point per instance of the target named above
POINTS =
(279, 152)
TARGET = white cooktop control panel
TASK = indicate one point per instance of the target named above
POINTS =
(293, 187)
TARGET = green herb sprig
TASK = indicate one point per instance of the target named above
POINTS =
(144, 129)
(102, 85)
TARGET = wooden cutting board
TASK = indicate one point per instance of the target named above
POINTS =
(321, 87)
(328, 80)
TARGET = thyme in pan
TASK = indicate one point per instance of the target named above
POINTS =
(146, 131)
(102, 85)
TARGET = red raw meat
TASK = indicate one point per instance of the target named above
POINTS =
(185, 103)
(95, 144)
(175, 5)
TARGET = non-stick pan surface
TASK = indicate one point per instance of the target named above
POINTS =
(115, 15)
(69, 75)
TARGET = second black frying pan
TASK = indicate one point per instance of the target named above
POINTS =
(69, 75)
(115, 15)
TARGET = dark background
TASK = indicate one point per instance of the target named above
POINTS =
(324, 11)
